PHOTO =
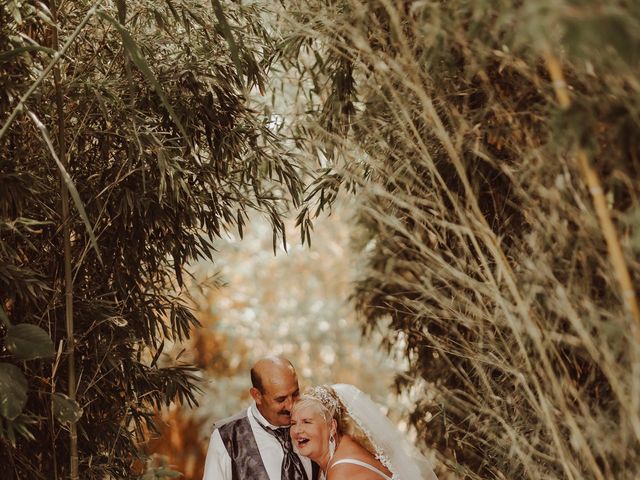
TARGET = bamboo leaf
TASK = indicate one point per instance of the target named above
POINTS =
(139, 61)
(4, 318)
(9, 54)
(173, 10)
(28, 342)
(68, 182)
(19, 425)
(13, 391)
(228, 35)
(65, 409)
(56, 58)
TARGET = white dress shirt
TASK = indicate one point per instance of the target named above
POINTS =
(218, 463)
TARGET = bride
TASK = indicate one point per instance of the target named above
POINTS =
(345, 433)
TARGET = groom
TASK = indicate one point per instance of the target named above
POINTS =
(255, 443)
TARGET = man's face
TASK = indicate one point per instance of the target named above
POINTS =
(280, 392)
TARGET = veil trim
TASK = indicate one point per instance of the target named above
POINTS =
(391, 447)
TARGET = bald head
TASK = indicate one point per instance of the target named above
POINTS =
(275, 388)
(272, 367)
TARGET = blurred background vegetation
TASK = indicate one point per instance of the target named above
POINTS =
(252, 303)
(464, 179)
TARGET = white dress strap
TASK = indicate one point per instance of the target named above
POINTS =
(362, 464)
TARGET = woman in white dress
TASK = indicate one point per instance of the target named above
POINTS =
(346, 434)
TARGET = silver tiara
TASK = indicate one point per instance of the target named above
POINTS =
(322, 394)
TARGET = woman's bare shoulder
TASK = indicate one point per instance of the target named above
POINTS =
(350, 449)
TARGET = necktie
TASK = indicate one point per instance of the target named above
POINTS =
(292, 468)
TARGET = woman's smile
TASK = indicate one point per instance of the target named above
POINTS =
(301, 442)
(310, 432)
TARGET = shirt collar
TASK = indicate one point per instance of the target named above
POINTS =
(260, 418)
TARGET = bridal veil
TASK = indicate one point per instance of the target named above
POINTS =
(392, 448)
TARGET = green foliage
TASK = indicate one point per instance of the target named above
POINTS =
(64, 409)
(13, 391)
(139, 61)
(25, 342)
(68, 183)
(165, 153)
(28, 342)
(486, 263)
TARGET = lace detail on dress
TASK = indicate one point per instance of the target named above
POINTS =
(379, 450)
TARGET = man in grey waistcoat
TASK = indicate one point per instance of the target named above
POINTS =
(255, 443)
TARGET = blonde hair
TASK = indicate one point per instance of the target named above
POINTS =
(329, 404)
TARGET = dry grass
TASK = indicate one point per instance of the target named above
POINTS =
(487, 259)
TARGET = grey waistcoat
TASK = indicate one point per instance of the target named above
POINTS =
(238, 439)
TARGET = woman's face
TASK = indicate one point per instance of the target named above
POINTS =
(310, 432)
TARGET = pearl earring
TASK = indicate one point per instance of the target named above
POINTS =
(332, 446)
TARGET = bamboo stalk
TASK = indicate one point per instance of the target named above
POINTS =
(66, 234)
(559, 83)
(610, 234)
(613, 243)
(56, 58)
(599, 202)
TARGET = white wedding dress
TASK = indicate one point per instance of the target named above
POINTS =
(392, 448)
(362, 464)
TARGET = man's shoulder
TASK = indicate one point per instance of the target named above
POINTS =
(230, 420)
